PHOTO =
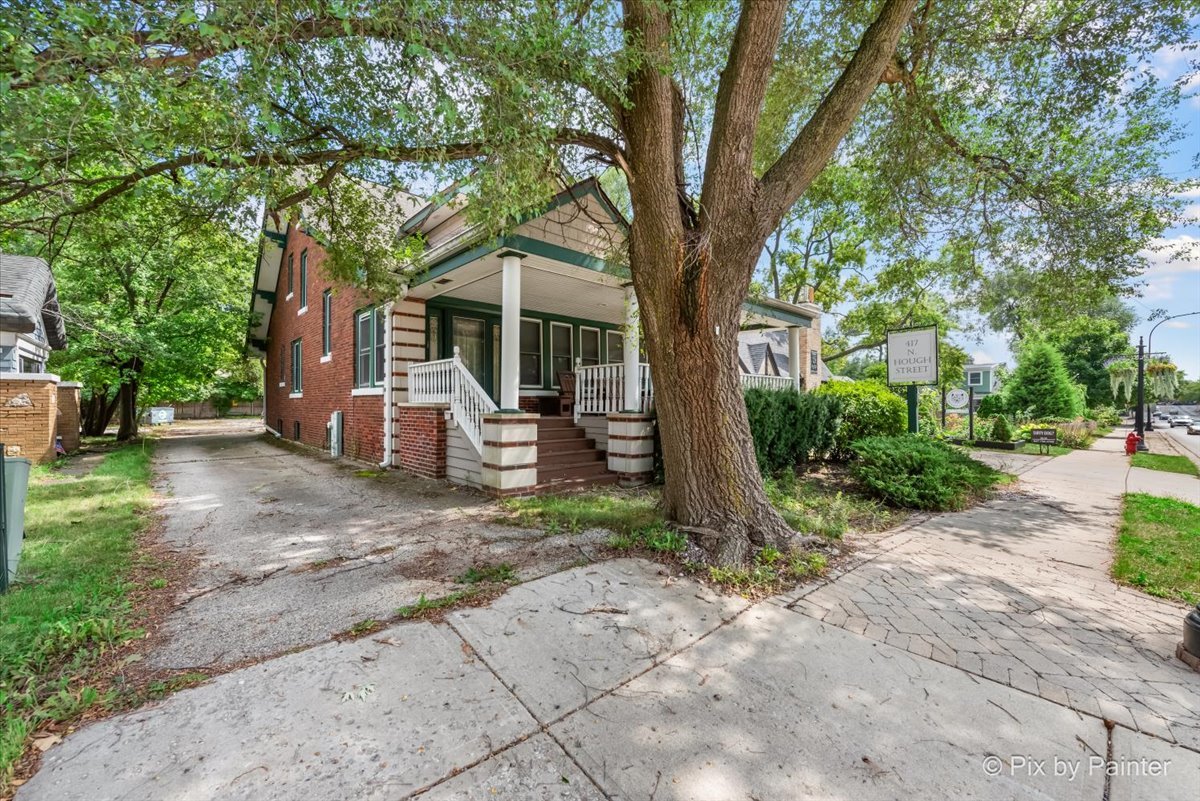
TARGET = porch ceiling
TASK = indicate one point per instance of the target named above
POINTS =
(547, 285)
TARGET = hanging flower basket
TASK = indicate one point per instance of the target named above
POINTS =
(1122, 375)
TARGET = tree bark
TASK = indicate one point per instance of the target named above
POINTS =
(96, 412)
(127, 399)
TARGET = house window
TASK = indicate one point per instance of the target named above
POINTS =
(435, 340)
(616, 346)
(562, 351)
(531, 353)
(291, 261)
(296, 430)
(813, 360)
(297, 366)
(975, 379)
(369, 342)
(589, 346)
(29, 365)
(326, 322)
(304, 279)
(282, 365)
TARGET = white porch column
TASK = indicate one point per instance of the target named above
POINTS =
(633, 391)
(795, 363)
(510, 332)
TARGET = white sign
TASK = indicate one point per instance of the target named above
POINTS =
(957, 398)
(912, 356)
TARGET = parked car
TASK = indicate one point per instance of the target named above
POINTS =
(1193, 428)
(1180, 420)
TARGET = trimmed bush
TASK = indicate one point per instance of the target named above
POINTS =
(869, 409)
(790, 428)
(914, 472)
(1001, 430)
(991, 406)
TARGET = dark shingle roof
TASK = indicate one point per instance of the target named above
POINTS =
(33, 305)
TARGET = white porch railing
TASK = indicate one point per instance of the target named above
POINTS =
(766, 381)
(449, 381)
(600, 389)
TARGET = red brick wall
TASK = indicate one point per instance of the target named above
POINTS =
(326, 386)
(421, 439)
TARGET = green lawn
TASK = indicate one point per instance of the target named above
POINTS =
(68, 605)
(1158, 547)
(1040, 450)
(1166, 463)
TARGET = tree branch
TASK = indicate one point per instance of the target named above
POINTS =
(816, 142)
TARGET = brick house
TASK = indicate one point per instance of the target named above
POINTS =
(36, 407)
(464, 374)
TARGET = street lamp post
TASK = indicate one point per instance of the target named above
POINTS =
(1140, 417)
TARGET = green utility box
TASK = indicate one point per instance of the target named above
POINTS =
(14, 482)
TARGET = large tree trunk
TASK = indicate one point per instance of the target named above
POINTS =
(97, 411)
(127, 399)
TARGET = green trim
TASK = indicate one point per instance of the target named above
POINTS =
(526, 245)
(276, 237)
(790, 317)
(374, 380)
(453, 262)
(265, 294)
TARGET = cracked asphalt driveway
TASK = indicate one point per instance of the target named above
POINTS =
(293, 549)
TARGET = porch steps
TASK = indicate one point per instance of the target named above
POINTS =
(568, 458)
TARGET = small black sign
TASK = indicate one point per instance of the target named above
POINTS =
(1044, 436)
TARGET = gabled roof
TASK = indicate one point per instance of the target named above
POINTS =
(29, 299)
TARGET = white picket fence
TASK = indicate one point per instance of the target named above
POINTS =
(600, 389)
(449, 381)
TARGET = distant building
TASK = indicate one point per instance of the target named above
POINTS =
(982, 378)
(765, 352)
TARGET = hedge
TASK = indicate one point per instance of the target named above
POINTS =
(915, 472)
(790, 428)
(869, 409)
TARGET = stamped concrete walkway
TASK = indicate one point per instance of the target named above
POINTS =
(994, 652)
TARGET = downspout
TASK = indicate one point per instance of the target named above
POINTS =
(387, 387)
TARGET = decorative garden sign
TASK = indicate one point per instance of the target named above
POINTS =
(957, 398)
(912, 356)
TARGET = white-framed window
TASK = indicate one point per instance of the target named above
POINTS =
(589, 346)
(562, 350)
(369, 347)
(813, 361)
(304, 279)
(975, 379)
(297, 366)
(531, 353)
(615, 344)
(291, 273)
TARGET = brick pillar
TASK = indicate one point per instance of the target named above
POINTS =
(408, 342)
(631, 447)
(68, 415)
(29, 415)
(419, 445)
(509, 453)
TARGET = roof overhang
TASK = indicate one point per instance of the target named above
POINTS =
(266, 278)
(773, 313)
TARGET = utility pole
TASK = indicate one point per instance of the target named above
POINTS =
(1139, 414)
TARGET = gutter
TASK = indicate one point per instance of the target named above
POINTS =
(388, 387)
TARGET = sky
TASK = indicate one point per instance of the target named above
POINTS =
(1172, 281)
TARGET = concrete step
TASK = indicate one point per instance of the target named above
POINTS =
(554, 461)
(574, 444)
(556, 422)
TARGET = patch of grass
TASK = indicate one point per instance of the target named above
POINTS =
(365, 627)
(1166, 463)
(368, 473)
(655, 537)
(770, 571)
(425, 606)
(156, 690)
(503, 573)
(812, 506)
(1158, 547)
(621, 513)
(69, 605)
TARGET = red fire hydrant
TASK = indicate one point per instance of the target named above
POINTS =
(1131, 443)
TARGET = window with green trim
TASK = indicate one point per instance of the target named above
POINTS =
(369, 343)
(562, 351)
(297, 366)
(291, 261)
(531, 353)
(326, 322)
(304, 279)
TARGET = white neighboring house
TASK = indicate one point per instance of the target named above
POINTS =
(30, 322)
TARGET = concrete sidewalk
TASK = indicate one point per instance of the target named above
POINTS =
(973, 655)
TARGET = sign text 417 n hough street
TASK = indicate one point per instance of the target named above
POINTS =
(912, 356)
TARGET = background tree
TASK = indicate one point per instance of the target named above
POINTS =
(153, 293)
(1086, 343)
(1040, 386)
(1044, 161)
